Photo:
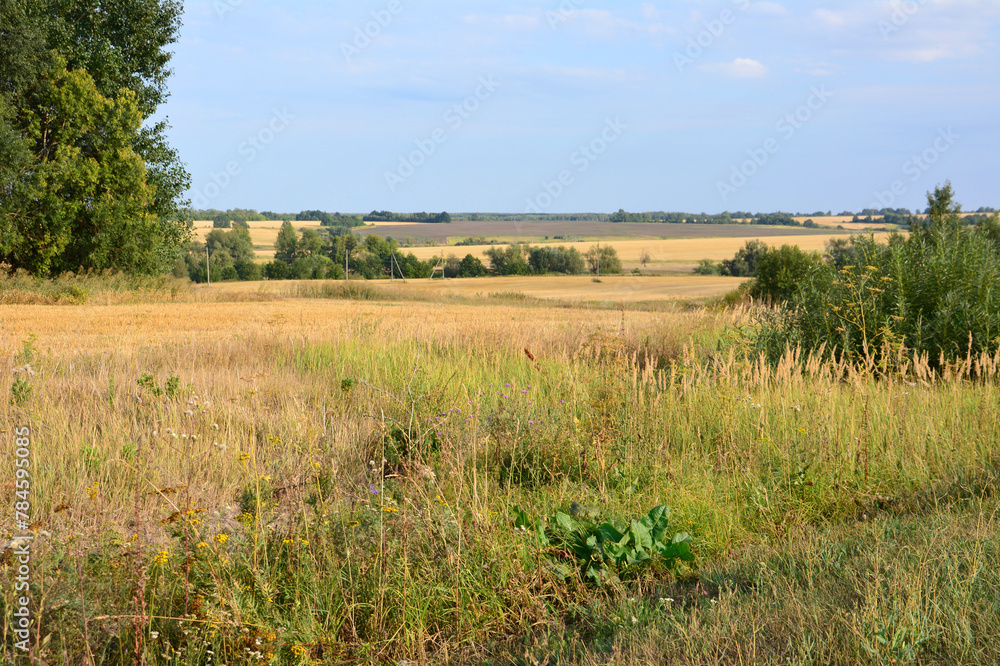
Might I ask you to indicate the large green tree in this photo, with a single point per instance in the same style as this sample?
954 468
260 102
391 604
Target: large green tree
85 181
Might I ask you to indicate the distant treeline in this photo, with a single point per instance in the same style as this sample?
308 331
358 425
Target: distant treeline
322 254
891 216
225 219
312 254
388 216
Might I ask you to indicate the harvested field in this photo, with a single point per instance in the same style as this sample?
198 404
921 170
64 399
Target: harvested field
615 289
508 230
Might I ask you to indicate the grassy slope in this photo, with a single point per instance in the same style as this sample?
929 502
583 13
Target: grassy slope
836 521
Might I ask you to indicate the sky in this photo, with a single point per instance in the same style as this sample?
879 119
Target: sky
564 106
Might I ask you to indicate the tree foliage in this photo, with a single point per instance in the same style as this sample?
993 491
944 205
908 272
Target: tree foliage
85 183
603 260
744 262
935 292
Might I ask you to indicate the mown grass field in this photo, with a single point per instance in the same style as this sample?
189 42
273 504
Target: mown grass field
244 478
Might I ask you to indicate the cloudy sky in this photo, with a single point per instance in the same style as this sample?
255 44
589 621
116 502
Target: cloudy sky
584 105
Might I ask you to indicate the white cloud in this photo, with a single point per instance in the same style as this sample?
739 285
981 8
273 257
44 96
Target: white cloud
740 68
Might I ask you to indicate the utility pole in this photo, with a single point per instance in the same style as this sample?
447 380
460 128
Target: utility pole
208 266
598 260
347 269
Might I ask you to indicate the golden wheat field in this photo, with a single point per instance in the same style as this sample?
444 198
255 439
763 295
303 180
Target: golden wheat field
132 329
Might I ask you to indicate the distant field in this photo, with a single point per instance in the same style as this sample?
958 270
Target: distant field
660 250
620 289
665 242
508 230
263 234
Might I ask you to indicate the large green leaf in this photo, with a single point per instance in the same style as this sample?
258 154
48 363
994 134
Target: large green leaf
608 532
641 535
521 518
564 521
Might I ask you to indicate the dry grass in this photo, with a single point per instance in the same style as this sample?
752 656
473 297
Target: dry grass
611 289
837 518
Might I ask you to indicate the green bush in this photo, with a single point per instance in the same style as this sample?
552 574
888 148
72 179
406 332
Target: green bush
781 272
744 263
603 260
707 267
471 267
935 293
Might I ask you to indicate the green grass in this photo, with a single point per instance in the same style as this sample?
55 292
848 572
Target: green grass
353 501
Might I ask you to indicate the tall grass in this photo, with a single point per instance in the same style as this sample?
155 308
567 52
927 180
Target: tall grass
106 287
349 497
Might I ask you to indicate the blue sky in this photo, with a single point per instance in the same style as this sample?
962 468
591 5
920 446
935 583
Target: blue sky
586 106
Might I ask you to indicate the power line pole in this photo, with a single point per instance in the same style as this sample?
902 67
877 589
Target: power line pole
208 266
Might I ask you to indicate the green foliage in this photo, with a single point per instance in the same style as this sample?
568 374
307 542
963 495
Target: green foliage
87 201
776 219
707 267
286 245
607 551
387 216
549 259
744 263
840 252
232 257
603 260
171 388
471 266
85 184
508 261
935 293
780 272
20 391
